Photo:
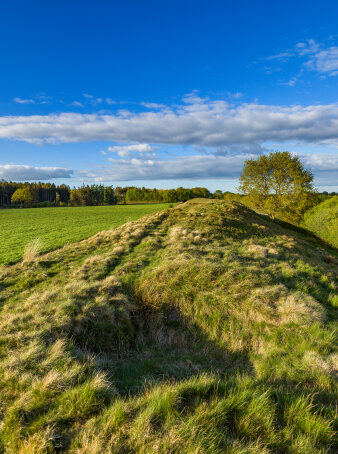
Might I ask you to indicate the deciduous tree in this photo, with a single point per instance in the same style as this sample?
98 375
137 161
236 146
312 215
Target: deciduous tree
22 195
278 184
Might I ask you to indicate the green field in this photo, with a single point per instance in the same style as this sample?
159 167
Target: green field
56 227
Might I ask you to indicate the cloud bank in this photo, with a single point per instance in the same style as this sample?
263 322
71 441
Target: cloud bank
199 122
30 173
324 166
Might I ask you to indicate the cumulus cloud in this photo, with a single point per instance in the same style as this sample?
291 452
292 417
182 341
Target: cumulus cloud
196 121
28 173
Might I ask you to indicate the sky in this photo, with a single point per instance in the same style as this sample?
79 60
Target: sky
166 93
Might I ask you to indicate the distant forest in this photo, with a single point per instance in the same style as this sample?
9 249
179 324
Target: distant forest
48 194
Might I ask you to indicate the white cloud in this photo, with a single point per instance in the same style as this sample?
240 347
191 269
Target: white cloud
28 173
196 122
40 98
323 165
320 161
23 101
92 99
308 47
314 56
324 61
237 95
76 104
184 167
152 105
125 150
292 82
110 101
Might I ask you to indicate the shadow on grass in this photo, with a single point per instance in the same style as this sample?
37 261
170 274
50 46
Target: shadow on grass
163 345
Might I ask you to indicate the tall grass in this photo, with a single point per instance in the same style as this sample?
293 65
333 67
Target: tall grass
32 250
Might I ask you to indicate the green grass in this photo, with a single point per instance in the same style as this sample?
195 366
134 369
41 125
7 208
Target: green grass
205 328
55 227
322 220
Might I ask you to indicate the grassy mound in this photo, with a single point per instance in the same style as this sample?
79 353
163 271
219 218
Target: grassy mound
322 220
201 329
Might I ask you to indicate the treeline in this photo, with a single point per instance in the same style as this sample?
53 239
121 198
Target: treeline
48 194
37 193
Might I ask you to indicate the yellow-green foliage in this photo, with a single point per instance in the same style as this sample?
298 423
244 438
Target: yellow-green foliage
323 220
205 328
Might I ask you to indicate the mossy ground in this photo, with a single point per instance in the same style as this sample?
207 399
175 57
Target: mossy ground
205 328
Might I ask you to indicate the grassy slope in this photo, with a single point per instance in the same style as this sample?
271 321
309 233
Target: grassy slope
59 226
201 329
323 220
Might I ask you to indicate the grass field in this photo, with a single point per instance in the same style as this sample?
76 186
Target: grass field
203 329
56 227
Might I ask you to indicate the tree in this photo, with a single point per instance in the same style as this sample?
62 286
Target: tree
218 194
21 195
278 184
108 197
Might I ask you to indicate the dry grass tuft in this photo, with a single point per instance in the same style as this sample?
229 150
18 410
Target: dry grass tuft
32 250
259 251
316 362
118 250
299 308
177 233
276 305
40 442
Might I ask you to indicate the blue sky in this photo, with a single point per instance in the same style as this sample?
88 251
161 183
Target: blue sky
166 93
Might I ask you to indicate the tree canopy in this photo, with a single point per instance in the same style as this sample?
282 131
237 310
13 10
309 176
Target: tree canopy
278 184
21 195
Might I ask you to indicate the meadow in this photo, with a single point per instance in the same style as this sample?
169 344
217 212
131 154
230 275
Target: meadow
55 227
205 328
